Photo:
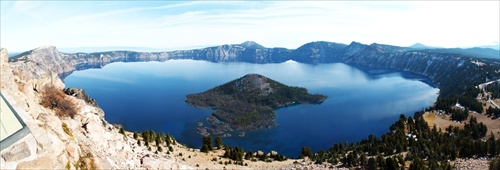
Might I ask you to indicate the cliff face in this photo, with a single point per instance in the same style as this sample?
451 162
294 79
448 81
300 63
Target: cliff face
88 139
49 147
449 72
445 70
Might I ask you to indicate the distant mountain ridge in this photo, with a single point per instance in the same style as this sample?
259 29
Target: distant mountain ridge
449 71
421 46
479 52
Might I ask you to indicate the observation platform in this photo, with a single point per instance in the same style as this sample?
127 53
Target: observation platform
12 127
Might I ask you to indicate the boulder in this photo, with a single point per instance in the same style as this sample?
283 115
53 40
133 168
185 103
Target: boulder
17 152
80 94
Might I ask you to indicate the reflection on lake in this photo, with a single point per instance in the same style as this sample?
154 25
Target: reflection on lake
150 95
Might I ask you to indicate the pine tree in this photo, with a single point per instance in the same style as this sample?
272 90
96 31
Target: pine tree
390 164
136 136
207 140
306 152
380 161
152 135
167 140
122 131
363 160
249 155
145 135
158 140
372 164
206 144
417 164
218 142
227 154
492 148
204 148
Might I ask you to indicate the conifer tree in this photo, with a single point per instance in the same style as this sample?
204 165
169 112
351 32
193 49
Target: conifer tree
218 142
206 144
136 136
372 164
122 131
306 152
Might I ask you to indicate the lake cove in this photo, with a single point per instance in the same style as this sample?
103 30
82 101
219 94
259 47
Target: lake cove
361 101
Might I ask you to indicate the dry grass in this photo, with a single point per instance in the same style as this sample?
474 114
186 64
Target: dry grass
206 160
56 100
429 118
20 85
443 121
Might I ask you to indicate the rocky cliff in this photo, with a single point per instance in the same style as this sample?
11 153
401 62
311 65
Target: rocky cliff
450 72
95 142
85 141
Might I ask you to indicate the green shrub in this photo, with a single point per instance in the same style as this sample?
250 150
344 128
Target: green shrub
122 131
66 129
68 166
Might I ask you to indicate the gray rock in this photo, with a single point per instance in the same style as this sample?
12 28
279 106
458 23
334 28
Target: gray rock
80 94
17 152
202 131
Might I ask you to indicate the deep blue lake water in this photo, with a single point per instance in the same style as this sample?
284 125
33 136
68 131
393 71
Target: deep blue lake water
150 95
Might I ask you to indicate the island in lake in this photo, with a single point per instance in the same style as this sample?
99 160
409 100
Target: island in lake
248 103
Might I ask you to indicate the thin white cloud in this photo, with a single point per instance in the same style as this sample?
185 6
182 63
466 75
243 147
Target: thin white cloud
273 24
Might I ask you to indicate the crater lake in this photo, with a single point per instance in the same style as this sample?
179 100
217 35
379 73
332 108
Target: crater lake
361 101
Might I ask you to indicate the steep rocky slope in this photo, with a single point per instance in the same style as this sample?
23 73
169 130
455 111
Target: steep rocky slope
24 76
450 72
88 139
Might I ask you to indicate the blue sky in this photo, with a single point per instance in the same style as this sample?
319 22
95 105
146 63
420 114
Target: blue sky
179 25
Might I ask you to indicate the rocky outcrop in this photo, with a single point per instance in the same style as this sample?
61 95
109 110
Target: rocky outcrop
56 142
80 94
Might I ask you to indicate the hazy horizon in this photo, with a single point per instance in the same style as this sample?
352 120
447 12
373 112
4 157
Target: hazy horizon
26 25
149 49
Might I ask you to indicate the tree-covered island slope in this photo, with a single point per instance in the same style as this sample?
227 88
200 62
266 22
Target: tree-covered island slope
248 103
